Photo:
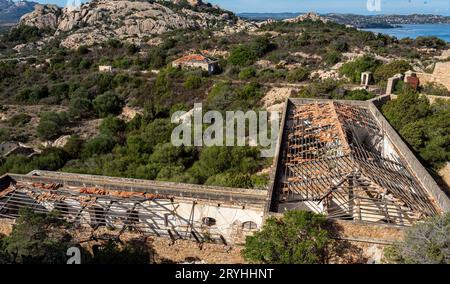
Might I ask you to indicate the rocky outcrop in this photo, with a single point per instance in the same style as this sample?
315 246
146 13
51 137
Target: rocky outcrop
125 20
43 17
308 17
190 2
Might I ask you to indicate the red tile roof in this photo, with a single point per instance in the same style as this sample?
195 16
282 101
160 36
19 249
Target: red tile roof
194 57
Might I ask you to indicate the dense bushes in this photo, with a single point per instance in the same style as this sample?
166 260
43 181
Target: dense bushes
51 124
39 238
23 34
106 104
50 159
353 69
386 71
79 108
245 55
300 237
19 120
193 82
424 243
425 127
435 89
297 75
333 57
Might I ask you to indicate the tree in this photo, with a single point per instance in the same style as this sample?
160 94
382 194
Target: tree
157 58
51 159
113 127
101 144
299 237
408 107
79 108
425 243
425 127
386 71
243 56
107 104
30 240
133 252
43 238
51 124
74 146
353 69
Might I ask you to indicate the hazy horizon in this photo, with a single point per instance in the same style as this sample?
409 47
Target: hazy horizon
359 7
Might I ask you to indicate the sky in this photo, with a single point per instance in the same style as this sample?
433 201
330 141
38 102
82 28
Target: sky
366 7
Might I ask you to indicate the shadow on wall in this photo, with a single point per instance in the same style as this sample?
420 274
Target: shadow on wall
343 251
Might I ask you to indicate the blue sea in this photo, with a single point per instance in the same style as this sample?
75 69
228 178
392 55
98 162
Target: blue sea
413 31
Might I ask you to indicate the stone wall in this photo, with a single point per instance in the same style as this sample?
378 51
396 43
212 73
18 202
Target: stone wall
440 75
439 196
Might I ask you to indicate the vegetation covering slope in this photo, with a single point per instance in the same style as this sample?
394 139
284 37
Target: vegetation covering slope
67 95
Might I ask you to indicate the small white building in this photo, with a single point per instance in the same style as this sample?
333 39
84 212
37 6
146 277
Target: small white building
105 68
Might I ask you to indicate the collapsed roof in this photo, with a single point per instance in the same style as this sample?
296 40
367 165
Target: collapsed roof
336 159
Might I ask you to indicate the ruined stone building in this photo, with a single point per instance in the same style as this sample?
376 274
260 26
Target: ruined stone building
173 210
344 160
440 75
338 158
197 61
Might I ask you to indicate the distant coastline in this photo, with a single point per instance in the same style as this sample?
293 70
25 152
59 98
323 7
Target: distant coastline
359 21
413 31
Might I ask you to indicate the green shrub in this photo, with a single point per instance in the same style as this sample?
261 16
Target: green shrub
4 134
79 108
113 127
247 73
19 120
250 91
424 243
355 95
107 104
193 82
243 56
300 237
386 71
99 145
51 124
297 75
435 89
354 69
74 146
51 159
333 57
